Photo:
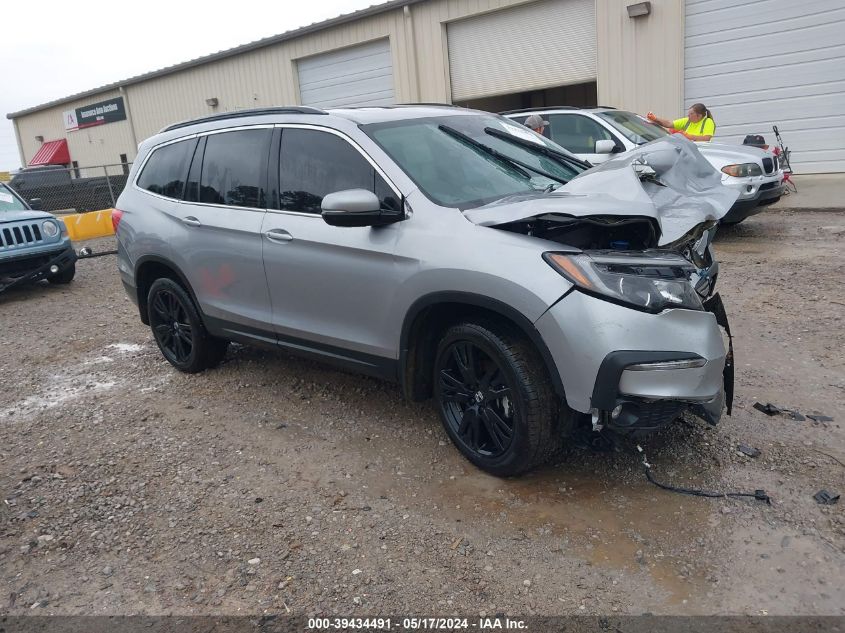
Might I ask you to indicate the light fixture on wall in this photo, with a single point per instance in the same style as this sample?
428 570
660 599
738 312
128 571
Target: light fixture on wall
39 138
639 9
212 101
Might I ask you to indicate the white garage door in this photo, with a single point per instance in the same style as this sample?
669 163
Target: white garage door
758 63
356 76
530 47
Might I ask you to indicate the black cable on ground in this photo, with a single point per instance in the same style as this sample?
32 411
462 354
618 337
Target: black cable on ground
760 495
92 255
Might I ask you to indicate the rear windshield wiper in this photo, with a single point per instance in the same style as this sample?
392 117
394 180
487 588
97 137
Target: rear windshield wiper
559 157
514 163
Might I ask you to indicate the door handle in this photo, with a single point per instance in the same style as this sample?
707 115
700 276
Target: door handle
278 235
191 221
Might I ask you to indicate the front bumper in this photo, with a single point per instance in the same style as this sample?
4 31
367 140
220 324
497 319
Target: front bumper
593 341
30 268
754 195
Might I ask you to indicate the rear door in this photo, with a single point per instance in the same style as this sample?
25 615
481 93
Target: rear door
217 236
330 287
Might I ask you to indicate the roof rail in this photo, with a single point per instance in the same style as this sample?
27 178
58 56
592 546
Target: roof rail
429 103
236 114
540 109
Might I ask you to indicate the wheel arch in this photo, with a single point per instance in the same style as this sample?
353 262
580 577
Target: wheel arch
152 267
429 317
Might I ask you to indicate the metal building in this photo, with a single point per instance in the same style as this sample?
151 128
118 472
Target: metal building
755 63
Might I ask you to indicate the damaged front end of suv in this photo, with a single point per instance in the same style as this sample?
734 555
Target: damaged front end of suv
633 238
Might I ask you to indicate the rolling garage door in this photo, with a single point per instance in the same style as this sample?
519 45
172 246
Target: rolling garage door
356 76
771 62
530 47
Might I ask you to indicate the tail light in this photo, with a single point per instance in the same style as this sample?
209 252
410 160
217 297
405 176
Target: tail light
116 215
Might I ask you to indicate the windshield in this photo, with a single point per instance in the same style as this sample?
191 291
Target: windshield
635 128
9 201
472 171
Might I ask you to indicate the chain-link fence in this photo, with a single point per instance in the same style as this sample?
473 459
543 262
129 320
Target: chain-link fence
79 189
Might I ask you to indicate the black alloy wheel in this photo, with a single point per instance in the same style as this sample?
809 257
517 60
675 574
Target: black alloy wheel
171 327
178 330
495 398
477 401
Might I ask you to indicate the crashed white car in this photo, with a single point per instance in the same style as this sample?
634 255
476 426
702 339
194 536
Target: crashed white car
597 134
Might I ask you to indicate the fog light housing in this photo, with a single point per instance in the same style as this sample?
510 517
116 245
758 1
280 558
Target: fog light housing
616 411
54 269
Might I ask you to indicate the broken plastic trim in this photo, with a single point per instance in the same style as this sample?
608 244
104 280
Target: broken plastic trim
715 306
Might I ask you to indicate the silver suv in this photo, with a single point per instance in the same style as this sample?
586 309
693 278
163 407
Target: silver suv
449 250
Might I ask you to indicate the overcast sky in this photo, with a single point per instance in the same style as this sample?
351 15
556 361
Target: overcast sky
51 49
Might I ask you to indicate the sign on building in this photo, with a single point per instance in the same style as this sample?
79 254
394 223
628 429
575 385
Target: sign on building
95 114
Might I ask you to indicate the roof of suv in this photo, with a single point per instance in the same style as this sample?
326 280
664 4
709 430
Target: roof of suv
361 115
558 109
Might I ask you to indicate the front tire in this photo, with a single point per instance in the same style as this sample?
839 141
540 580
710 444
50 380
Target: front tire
495 399
178 330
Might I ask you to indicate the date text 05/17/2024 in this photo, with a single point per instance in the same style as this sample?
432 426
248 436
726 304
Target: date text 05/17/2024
417 624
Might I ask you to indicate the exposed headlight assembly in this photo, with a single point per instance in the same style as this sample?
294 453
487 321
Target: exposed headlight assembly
646 282
743 171
50 228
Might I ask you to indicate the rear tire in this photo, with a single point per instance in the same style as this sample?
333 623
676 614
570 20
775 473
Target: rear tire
178 329
63 276
495 398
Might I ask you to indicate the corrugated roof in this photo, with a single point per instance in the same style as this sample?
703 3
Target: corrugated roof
52 153
230 52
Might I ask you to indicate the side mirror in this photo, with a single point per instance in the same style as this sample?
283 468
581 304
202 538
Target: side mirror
356 207
605 146
35 204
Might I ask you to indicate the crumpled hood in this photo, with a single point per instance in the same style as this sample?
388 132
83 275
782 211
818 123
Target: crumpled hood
689 192
17 216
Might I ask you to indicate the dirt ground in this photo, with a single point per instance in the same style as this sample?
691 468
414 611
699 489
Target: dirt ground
279 485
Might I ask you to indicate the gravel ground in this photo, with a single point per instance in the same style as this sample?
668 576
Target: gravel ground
273 484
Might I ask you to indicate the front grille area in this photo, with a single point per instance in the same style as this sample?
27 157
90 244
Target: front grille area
16 267
20 235
768 165
768 185
640 415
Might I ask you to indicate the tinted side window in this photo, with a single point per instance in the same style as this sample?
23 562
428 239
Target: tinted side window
315 163
234 168
577 133
164 172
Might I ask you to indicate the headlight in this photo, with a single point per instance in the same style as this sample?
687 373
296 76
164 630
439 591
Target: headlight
647 282
51 229
743 171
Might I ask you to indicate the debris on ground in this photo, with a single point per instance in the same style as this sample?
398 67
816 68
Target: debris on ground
773 409
750 451
825 498
768 408
819 417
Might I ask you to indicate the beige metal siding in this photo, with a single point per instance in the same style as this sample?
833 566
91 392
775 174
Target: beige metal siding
98 145
639 67
262 77
641 60
530 47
